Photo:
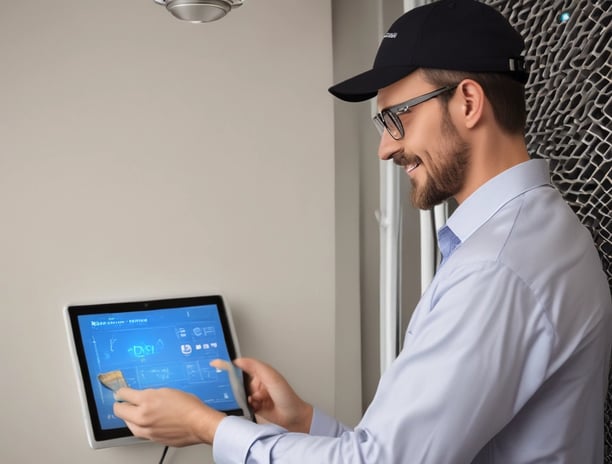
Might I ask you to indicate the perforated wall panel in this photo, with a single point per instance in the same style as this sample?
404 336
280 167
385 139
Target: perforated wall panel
570 110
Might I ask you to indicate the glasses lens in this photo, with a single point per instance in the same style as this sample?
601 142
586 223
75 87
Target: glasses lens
393 125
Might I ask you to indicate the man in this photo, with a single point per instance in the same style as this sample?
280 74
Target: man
506 356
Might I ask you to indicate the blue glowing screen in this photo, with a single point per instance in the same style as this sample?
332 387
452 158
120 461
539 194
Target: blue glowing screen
157 348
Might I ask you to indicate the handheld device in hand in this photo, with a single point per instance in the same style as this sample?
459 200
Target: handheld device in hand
151 344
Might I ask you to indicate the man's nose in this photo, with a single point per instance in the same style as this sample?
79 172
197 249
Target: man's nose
387 146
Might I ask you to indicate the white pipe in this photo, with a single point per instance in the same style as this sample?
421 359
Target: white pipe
440 215
427 249
440 218
389 222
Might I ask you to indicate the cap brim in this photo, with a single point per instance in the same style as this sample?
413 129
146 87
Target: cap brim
367 84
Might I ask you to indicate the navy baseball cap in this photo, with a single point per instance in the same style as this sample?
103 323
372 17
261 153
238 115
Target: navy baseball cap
459 35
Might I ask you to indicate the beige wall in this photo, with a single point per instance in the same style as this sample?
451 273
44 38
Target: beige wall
142 157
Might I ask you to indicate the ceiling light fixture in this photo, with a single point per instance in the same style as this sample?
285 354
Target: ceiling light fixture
199 11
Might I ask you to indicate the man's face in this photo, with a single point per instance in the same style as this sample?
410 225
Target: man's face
432 152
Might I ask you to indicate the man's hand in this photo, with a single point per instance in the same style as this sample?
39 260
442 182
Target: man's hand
167 416
273 399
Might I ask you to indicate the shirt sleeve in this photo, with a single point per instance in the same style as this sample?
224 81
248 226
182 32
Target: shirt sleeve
326 426
239 441
474 355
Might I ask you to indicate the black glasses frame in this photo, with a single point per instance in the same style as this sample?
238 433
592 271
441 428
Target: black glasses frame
388 118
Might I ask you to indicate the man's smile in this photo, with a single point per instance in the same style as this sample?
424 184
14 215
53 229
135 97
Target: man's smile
408 163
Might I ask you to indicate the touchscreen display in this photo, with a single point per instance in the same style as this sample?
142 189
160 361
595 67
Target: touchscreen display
153 348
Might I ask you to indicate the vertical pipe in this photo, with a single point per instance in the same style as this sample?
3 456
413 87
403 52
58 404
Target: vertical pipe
389 222
427 249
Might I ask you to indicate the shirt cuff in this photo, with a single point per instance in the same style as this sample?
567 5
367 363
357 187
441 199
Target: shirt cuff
235 436
323 425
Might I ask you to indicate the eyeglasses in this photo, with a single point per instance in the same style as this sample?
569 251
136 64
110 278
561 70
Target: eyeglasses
389 117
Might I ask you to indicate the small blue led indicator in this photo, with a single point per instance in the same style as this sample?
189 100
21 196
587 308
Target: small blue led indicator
564 17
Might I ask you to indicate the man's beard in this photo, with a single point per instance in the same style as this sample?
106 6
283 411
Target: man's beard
445 176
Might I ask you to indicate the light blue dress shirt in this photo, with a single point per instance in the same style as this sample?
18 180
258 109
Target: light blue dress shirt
505 358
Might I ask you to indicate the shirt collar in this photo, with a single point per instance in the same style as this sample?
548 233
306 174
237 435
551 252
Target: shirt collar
495 193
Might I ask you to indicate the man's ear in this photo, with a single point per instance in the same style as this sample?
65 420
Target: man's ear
472 102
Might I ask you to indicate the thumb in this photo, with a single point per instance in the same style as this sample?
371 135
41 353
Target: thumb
129 395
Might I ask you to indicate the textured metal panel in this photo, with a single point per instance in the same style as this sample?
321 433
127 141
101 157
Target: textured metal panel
570 110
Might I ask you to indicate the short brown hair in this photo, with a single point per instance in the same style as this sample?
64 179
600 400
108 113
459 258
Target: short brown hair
506 95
